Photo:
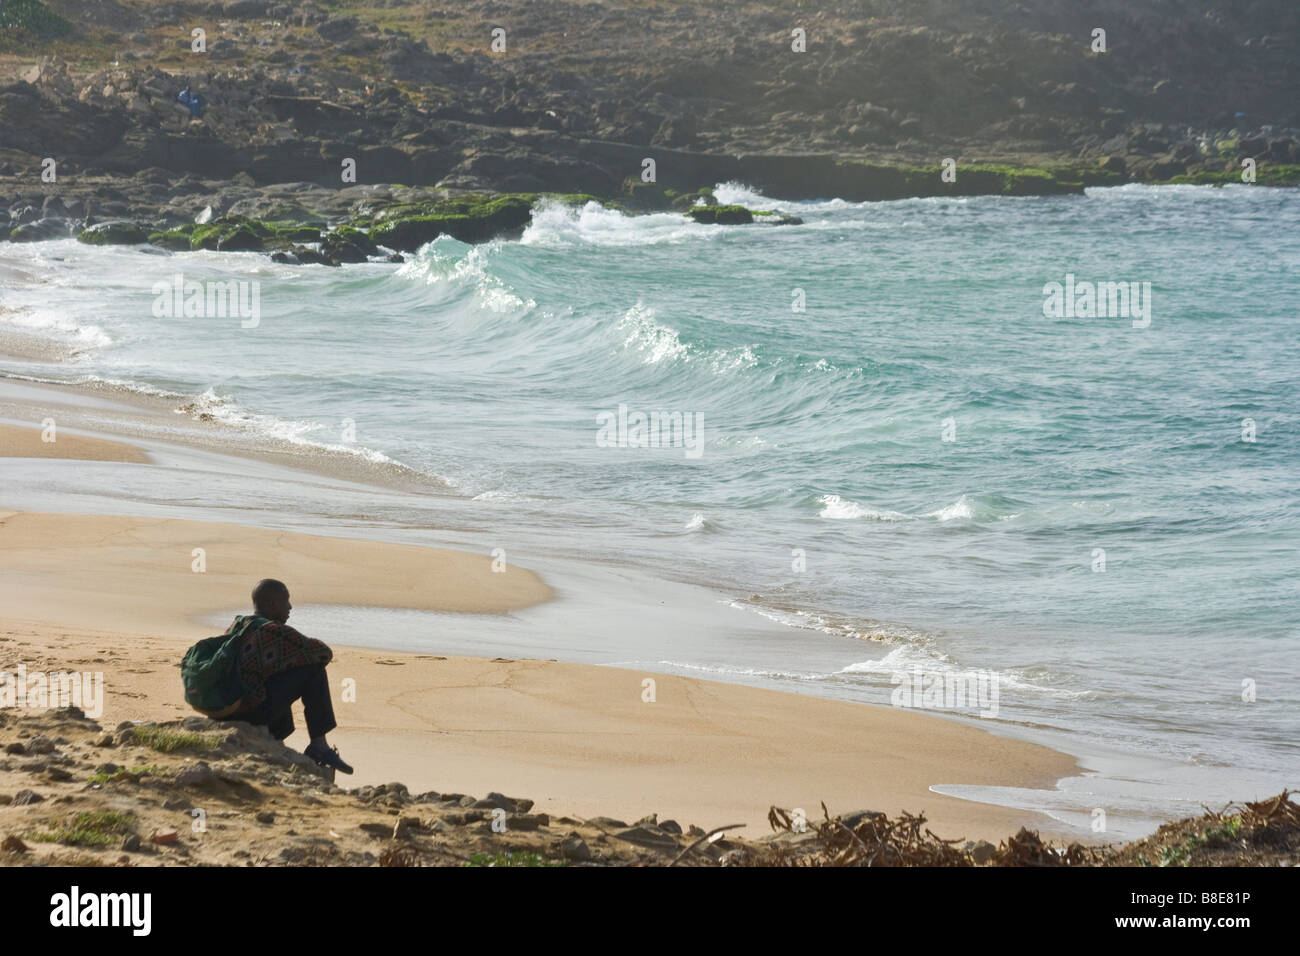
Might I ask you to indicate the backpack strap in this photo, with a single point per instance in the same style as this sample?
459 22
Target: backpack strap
248 624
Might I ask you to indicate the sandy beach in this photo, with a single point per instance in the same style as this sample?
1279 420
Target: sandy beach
18 442
126 595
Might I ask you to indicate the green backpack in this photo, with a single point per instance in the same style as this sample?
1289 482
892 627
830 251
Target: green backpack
210 670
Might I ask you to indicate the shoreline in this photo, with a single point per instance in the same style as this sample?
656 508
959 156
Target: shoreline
142 414
682 627
119 582
581 739
552 211
381 222
587 625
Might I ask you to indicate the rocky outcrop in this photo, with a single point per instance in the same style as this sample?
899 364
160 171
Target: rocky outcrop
319 120
121 233
574 106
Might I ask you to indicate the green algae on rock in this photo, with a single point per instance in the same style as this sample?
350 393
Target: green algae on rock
474 218
117 233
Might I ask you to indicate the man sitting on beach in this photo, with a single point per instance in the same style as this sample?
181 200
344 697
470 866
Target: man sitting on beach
277 666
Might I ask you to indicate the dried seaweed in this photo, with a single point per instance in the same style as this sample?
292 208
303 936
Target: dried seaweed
1026 848
904 840
876 840
394 854
1278 812
1264 832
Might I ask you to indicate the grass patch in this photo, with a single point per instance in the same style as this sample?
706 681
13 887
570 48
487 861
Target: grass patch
24 22
169 740
102 776
90 828
1181 854
1219 836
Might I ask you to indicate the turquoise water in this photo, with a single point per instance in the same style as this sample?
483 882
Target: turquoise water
825 494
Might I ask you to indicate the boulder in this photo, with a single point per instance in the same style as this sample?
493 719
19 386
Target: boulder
495 801
347 244
476 220
651 837
195 775
41 230
527 821
240 239
116 233
573 847
337 28
177 240
12 844
721 215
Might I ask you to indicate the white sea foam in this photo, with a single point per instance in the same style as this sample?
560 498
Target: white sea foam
555 223
723 669
840 509
654 341
961 508
221 408
906 658
858 630
964 508
58 325
738 194
446 264
732 360
499 496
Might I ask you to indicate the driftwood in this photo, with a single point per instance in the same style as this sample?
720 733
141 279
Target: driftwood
714 832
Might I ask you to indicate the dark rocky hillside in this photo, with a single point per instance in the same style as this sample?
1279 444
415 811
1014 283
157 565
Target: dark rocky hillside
413 92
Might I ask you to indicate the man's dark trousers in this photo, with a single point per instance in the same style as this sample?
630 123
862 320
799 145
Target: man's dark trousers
308 683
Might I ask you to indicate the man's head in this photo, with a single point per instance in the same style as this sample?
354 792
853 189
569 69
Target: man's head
271 599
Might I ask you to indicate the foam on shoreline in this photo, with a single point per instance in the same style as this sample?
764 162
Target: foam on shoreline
680 630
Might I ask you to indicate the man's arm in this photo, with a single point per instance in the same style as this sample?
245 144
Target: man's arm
297 643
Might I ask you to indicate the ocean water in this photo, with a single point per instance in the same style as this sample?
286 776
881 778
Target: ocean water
890 445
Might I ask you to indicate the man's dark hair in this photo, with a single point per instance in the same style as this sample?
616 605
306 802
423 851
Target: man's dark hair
267 589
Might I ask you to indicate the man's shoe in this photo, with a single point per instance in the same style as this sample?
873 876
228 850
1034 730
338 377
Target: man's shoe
327 757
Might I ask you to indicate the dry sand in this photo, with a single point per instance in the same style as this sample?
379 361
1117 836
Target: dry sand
118 595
